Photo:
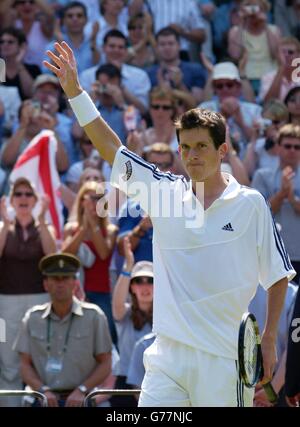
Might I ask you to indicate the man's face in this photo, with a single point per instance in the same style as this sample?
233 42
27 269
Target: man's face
74 20
225 88
115 50
168 48
162 160
113 7
289 151
199 156
289 52
60 288
46 91
9 46
106 84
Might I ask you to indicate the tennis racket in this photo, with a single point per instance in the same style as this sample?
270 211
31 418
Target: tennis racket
250 356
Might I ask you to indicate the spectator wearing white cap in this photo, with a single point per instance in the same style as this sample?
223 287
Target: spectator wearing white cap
133 319
240 115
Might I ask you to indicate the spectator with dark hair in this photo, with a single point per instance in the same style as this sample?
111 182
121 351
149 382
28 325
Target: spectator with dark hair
281 187
170 69
73 22
292 102
23 242
135 82
18 73
134 318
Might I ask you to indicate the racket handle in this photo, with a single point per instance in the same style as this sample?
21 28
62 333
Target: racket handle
270 392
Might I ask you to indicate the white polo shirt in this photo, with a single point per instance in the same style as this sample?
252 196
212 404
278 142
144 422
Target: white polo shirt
204 276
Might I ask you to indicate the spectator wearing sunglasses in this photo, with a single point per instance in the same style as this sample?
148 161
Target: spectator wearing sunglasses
134 318
276 84
240 115
292 102
281 187
23 242
93 229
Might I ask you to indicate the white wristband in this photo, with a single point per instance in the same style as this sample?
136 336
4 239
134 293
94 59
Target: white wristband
84 108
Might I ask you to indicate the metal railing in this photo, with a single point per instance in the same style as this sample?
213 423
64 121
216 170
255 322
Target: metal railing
19 393
113 392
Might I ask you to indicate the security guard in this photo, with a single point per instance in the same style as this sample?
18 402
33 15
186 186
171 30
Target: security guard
65 345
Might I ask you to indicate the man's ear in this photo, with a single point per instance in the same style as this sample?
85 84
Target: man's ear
45 284
223 150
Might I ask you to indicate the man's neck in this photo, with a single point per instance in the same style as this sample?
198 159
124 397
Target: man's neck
76 38
62 309
213 188
112 20
171 63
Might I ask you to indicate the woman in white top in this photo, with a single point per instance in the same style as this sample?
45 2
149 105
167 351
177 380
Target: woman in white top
256 39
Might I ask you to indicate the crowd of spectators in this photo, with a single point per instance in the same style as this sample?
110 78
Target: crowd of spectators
143 64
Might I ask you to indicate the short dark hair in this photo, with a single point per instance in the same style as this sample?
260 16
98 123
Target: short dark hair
16 33
114 33
71 6
204 119
167 31
110 70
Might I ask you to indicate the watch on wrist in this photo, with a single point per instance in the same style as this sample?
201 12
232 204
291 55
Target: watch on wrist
44 388
82 388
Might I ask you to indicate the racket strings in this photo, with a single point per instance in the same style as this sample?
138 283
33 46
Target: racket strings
250 352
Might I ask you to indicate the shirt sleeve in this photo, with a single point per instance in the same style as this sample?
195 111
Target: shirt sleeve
22 342
195 17
260 183
136 370
138 178
103 342
274 262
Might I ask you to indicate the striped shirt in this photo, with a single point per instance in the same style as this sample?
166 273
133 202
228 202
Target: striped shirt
186 13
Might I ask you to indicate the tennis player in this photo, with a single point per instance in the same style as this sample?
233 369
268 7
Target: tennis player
205 271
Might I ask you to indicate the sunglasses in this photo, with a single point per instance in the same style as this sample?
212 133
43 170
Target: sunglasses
7 41
220 86
142 280
161 107
135 27
96 197
290 146
23 193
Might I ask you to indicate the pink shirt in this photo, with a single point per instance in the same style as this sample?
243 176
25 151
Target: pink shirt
266 83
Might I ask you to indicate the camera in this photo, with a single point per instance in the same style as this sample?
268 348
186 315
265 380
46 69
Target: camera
252 9
102 89
36 108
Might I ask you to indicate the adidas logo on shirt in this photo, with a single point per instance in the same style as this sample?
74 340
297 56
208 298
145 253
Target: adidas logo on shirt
228 227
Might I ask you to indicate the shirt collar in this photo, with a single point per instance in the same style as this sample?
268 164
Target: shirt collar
76 308
230 191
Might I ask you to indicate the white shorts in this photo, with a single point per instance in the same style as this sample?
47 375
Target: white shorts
179 376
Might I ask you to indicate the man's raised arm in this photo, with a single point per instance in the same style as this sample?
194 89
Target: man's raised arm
101 135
